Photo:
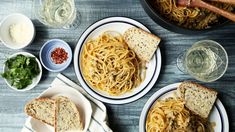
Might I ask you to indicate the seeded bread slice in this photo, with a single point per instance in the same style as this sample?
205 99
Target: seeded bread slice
198 99
143 43
67 117
42 109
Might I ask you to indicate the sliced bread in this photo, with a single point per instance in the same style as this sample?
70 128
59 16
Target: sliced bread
42 109
198 99
143 43
67 116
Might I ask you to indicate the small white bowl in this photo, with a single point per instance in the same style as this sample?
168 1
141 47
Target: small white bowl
35 80
12 19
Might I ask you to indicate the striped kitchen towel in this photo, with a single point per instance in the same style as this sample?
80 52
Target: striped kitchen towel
98 121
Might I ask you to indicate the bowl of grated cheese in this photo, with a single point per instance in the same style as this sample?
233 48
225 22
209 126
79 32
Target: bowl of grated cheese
16 31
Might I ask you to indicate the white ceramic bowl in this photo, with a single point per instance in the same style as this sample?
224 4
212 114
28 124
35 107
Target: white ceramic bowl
5 25
35 80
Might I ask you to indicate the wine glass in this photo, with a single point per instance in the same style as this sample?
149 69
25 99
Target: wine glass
206 61
57 13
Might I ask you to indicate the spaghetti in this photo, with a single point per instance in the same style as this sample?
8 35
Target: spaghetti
170 115
109 65
193 18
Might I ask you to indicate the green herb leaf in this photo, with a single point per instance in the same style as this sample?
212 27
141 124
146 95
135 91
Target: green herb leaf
21 71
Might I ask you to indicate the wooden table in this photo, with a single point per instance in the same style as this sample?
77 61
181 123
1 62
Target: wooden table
122 118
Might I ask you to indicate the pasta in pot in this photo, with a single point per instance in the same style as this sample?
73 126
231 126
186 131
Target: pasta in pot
109 65
193 18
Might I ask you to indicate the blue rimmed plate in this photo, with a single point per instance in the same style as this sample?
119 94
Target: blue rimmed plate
119 24
218 113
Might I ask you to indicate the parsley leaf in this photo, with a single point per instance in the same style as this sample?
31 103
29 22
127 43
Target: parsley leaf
21 70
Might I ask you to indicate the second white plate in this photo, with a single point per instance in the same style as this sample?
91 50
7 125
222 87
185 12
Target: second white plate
218 113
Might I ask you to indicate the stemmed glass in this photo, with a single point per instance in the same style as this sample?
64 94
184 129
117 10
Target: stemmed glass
57 13
206 61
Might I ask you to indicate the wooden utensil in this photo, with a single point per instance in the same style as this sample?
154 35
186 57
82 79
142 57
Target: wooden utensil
224 1
202 4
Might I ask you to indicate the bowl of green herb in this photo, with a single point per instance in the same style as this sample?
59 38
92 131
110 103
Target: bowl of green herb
22 71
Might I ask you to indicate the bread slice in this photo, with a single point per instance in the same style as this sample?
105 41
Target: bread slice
42 109
67 117
198 99
143 43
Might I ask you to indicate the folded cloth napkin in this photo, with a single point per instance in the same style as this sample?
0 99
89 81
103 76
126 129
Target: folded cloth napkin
98 121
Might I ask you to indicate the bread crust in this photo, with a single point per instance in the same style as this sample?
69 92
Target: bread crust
139 30
199 86
142 42
56 113
185 85
59 100
26 109
56 109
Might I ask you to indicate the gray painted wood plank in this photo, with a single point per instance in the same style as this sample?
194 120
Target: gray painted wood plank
122 118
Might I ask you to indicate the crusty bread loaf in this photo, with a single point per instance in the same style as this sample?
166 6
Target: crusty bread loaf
67 117
198 99
42 109
143 43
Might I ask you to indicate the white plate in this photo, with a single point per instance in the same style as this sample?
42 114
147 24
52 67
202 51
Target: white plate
119 24
218 113
81 102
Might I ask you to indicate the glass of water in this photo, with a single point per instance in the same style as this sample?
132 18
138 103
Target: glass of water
206 61
57 13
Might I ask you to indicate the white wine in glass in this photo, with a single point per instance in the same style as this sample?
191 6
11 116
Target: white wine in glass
57 13
206 61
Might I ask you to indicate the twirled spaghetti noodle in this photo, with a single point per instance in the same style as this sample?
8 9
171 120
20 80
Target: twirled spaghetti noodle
194 18
170 115
109 65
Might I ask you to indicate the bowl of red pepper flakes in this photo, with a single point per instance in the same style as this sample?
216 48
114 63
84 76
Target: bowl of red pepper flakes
55 55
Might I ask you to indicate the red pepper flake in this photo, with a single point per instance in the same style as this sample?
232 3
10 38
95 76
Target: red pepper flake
59 55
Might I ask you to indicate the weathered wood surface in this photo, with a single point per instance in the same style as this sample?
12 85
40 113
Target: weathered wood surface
122 118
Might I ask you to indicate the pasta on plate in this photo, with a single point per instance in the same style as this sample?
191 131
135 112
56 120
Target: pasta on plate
109 65
170 115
